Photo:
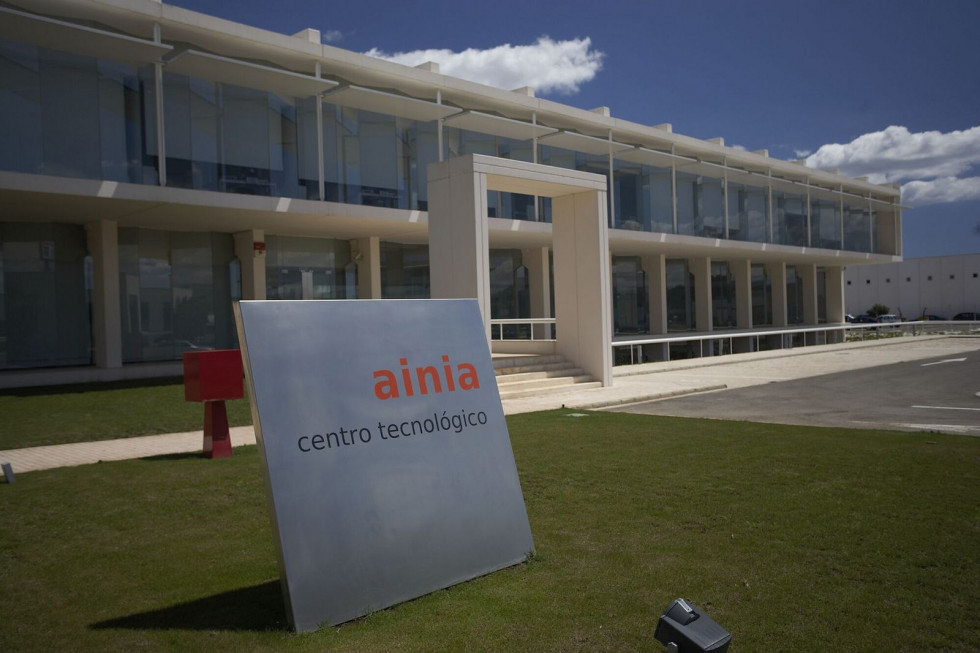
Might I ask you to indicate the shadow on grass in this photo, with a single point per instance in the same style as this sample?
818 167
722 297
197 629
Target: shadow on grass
186 455
257 608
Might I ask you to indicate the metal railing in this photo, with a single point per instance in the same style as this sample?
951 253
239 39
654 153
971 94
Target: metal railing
525 328
790 336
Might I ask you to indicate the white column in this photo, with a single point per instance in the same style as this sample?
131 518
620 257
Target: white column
103 245
538 264
834 280
459 252
777 278
250 250
367 256
583 305
656 268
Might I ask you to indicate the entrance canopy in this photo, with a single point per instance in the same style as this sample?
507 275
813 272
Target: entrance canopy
459 251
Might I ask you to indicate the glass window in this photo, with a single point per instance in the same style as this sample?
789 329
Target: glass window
700 207
723 315
308 268
825 224
404 271
761 296
562 158
748 213
630 313
377 159
857 229
234 139
512 206
509 291
644 198
74 116
45 295
681 314
175 291
794 296
789 218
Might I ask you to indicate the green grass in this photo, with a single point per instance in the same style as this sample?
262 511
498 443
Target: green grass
793 538
102 411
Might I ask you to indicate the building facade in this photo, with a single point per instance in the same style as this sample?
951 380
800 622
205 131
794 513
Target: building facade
941 286
158 164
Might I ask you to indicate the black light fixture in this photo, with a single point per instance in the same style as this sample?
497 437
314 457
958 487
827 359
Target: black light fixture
685 628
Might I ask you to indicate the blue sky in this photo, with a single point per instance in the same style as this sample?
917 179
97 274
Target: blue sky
889 88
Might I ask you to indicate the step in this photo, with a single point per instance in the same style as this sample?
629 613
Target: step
534 367
537 384
517 361
550 391
517 377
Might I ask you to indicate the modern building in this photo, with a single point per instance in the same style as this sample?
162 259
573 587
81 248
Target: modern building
157 164
942 286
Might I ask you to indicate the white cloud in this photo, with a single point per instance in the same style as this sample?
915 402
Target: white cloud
938 191
802 154
332 36
547 65
931 163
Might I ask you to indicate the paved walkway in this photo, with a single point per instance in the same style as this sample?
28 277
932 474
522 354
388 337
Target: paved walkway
631 384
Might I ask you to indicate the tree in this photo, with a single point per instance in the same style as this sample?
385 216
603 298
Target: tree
878 309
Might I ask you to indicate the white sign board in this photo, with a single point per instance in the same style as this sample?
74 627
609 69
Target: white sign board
388 464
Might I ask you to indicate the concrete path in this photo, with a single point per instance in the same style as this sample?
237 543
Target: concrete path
631 384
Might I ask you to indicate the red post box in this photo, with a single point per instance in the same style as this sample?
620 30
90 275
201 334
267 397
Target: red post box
213 377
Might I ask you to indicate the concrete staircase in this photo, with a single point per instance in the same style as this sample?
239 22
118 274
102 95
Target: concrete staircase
531 376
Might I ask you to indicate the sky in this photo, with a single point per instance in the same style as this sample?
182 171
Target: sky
884 88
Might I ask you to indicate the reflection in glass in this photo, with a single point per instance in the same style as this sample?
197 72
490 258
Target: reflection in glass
630 313
825 224
644 198
74 116
723 315
748 213
700 207
761 296
45 295
794 296
681 315
789 218
307 268
175 292
404 271
857 228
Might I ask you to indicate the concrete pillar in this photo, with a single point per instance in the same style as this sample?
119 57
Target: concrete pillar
538 263
777 279
366 253
807 274
250 250
701 269
656 269
103 244
743 293
459 250
583 303
834 280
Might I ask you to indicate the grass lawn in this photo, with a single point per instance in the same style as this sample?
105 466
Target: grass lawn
103 411
792 538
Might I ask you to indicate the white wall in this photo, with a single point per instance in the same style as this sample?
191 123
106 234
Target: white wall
941 285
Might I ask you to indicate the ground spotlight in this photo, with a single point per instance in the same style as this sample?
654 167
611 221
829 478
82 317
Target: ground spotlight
685 628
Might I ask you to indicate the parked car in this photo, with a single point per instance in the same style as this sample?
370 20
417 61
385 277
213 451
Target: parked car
863 319
887 319
967 316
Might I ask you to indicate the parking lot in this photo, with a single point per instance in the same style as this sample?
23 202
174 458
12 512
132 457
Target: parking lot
939 394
